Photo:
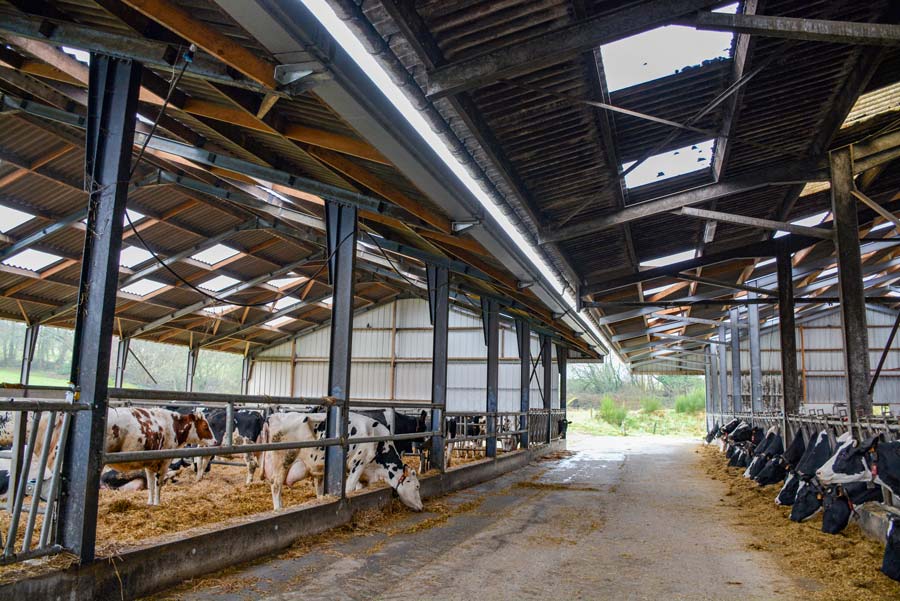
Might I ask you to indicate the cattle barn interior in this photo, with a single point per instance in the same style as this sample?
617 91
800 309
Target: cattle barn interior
399 224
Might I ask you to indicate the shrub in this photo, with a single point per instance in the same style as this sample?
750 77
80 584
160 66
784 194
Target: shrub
692 402
651 404
612 413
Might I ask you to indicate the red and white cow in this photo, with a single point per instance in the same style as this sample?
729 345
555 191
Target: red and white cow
131 429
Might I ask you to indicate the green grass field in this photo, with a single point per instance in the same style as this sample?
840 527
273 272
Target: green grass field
663 422
11 376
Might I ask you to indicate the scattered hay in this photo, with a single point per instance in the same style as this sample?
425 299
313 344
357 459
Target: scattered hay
844 566
120 506
554 486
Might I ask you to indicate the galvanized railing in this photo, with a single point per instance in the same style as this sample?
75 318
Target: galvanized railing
42 438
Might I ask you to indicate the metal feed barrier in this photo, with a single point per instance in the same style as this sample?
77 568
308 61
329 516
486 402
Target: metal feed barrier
480 433
809 424
27 419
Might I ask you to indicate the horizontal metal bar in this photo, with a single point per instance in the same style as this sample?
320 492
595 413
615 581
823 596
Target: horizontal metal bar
394 437
31 404
32 554
184 453
201 397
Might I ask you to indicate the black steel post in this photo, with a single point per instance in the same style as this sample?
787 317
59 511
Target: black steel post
124 348
523 339
723 370
341 232
737 404
492 317
439 304
193 356
246 369
562 354
31 336
112 103
756 401
851 286
547 384
20 430
708 379
790 380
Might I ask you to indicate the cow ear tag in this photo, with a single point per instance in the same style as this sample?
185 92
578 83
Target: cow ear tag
819 496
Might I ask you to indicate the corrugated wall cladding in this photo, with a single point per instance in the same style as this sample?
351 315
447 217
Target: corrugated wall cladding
392 361
820 356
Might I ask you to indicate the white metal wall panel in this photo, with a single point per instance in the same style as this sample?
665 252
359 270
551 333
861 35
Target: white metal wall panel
413 313
379 317
412 381
414 344
371 343
370 380
314 344
311 379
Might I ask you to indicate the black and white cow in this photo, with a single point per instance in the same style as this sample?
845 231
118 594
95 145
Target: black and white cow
816 454
840 500
247 427
369 461
770 446
711 435
872 461
890 564
777 468
808 501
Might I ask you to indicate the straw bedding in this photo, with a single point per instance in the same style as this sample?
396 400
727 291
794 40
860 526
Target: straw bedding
842 566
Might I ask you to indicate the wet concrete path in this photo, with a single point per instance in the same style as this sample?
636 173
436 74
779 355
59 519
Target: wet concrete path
622 518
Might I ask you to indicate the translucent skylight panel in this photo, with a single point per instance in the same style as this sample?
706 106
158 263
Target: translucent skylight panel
10 219
282 282
326 301
220 282
32 260
656 290
134 216
133 255
882 226
144 287
279 321
220 309
660 52
215 254
670 259
688 159
828 272
285 301
765 262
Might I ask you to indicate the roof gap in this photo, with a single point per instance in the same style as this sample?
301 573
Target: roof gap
662 51
665 165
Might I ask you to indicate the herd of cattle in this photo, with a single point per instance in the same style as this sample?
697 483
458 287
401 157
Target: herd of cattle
823 473
130 429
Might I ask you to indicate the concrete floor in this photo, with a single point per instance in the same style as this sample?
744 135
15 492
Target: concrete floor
630 518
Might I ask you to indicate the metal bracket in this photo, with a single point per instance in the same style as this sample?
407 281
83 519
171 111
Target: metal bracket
459 227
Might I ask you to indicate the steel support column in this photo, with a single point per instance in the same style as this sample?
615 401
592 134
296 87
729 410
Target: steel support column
122 352
523 339
547 379
723 370
246 370
112 103
341 233
562 355
790 381
756 401
492 329
439 304
851 286
191 371
736 401
19 423
708 379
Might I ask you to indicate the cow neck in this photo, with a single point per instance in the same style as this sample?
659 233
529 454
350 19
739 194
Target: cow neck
386 456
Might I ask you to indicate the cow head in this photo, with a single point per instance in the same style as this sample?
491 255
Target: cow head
194 429
890 565
788 492
817 453
408 489
836 509
773 472
851 462
808 501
